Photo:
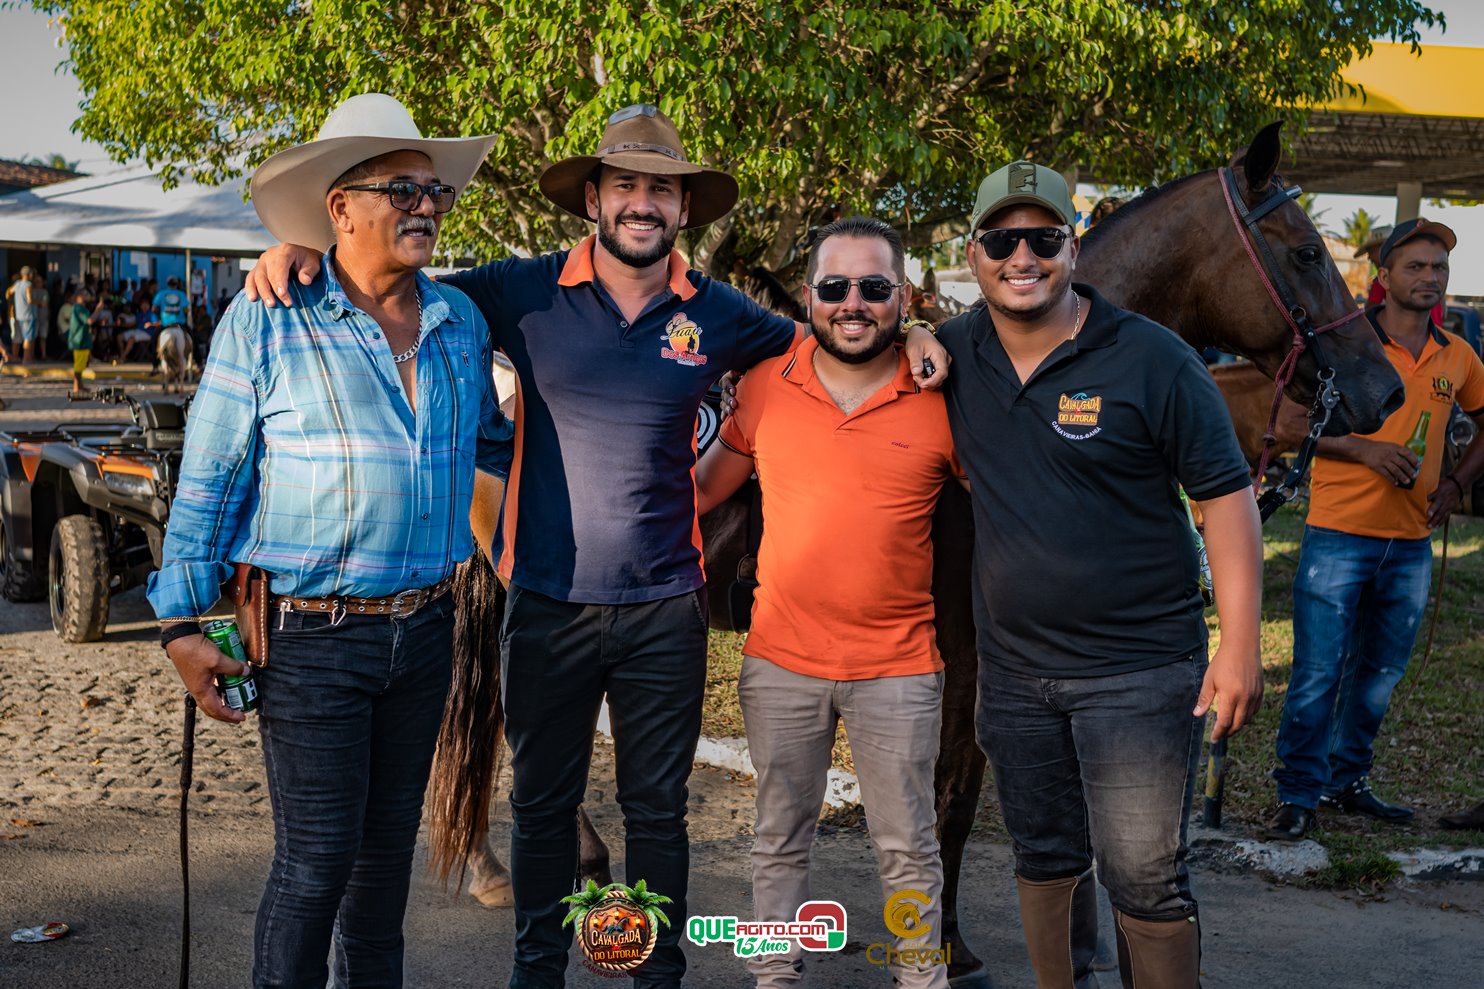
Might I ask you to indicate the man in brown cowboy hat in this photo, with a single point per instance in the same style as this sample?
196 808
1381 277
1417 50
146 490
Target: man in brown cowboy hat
614 344
333 446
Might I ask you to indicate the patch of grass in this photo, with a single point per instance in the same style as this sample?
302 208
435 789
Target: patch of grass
1430 753
721 717
1354 863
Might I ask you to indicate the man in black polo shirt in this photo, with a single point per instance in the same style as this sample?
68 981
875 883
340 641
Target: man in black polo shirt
1078 423
614 345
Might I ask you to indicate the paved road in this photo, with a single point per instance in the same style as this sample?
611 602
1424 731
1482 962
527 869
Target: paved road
90 742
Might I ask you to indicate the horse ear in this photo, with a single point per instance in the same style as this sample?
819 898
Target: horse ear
1261 160
929 284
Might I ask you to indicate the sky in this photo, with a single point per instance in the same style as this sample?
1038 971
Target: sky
31 49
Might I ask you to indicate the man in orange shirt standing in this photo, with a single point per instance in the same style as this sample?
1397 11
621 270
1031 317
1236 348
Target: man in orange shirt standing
1366 559
851 457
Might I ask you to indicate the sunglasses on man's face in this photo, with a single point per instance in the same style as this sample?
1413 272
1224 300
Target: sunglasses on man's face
1045 242
873 288
407 195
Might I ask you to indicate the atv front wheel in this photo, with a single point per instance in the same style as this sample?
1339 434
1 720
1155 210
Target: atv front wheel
18 580
78 579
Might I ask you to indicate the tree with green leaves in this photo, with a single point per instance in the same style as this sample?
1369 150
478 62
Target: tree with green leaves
818 107
53 160
1358 227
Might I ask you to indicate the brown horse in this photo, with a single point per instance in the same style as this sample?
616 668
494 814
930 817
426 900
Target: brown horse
1173 254
1249 398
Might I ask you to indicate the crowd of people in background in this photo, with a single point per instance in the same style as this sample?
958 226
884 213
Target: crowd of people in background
125 319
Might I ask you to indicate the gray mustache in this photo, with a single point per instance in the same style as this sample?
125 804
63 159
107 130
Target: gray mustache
416 223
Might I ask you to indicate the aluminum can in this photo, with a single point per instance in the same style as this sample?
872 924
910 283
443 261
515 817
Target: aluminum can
239 693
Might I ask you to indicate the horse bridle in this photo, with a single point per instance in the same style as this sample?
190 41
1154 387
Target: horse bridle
1305 337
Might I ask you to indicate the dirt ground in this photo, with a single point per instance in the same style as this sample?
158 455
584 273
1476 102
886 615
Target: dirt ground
90 736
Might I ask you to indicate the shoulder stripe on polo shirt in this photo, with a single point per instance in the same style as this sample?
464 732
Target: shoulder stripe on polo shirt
512 487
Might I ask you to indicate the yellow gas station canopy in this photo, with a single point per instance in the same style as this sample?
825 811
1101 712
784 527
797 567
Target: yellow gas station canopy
1418 119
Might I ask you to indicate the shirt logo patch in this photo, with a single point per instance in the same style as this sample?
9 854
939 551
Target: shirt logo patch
1077 415
1442 389
682 341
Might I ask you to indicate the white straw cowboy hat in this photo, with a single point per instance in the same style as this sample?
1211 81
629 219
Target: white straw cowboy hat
641 139
288 190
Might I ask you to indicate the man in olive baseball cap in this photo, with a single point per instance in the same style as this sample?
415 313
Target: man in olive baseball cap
1050 410
1024 183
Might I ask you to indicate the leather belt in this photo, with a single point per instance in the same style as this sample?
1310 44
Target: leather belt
403 604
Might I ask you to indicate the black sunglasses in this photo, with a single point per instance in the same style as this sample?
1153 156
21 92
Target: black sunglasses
1045 242
874 288
407 195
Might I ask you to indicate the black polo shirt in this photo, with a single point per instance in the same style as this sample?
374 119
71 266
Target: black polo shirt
1084 562
600 507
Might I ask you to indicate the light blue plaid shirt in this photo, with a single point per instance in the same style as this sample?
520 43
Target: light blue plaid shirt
303 457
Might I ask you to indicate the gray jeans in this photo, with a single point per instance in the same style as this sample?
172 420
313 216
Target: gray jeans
892 724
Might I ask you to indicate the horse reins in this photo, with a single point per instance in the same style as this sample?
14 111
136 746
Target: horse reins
187 760
1326 398
1305 337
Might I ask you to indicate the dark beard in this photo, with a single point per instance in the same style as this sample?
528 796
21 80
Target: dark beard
608 237
882 341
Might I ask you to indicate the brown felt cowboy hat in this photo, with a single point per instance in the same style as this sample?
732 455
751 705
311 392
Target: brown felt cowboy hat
641 139
288 190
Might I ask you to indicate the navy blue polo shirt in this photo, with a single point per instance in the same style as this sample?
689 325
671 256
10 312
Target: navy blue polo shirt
1084 561
601 502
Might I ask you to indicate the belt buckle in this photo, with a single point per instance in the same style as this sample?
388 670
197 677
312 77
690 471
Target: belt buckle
401 610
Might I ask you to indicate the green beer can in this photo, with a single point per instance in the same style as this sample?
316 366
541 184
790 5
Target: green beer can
239 693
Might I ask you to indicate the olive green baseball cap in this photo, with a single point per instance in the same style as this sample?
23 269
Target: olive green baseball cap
1024 183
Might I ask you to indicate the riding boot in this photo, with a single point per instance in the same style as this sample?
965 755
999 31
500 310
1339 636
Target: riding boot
1158 954
1060 918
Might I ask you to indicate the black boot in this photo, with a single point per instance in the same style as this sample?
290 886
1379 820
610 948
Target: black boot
1357 798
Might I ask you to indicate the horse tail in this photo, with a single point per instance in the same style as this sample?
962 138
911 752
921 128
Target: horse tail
466 762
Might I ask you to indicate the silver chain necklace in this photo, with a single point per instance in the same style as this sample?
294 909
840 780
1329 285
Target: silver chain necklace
1076 317
411 351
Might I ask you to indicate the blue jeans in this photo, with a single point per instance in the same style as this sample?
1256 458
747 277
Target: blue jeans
349 718
1099 767
1357 605
558 660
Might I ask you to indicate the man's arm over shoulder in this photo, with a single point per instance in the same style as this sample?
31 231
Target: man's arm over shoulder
494 450
217 471
728 464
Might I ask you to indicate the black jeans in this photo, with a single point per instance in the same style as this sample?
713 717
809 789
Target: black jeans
1099 767
350 714
559 659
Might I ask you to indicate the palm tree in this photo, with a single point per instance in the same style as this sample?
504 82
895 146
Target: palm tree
649 902
584 900
1358 228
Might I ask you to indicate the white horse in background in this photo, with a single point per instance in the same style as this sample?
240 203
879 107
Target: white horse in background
176 360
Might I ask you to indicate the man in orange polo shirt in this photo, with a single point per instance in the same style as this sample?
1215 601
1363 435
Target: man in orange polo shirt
1366 560
851 457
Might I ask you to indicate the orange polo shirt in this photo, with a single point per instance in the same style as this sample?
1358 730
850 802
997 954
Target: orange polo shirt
846 563
1351 497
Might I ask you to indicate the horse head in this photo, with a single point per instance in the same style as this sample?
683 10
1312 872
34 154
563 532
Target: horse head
1226 258
1291 279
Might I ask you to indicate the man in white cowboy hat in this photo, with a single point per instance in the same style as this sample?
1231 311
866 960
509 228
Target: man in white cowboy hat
333 447
614 345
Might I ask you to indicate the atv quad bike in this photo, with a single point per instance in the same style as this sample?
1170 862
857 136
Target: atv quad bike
83 509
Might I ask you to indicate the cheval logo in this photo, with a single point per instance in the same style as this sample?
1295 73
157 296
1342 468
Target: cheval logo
1077 415
683 337
616 926
1442 389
